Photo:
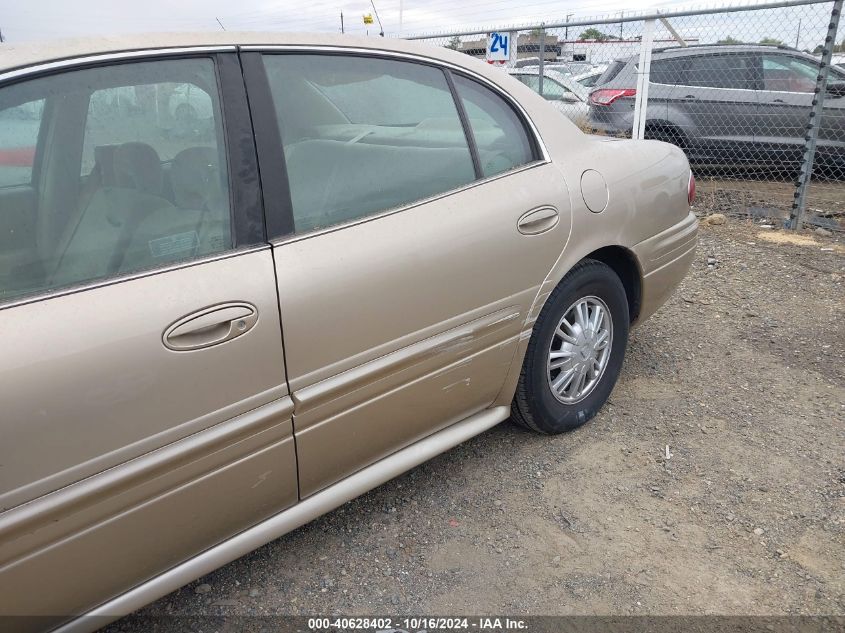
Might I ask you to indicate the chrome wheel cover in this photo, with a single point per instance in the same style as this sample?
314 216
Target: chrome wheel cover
580 350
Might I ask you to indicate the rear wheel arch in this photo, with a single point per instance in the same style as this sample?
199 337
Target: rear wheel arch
625 264
665 131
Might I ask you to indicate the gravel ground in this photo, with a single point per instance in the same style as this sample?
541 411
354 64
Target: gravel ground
741 375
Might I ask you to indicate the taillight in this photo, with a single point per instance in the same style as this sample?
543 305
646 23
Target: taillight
606 96
691 189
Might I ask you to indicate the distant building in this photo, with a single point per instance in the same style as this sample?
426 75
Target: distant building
594 51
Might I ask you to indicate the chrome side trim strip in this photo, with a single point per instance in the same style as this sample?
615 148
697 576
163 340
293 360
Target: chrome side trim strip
288 520
61 64
72 498
368 373
100 283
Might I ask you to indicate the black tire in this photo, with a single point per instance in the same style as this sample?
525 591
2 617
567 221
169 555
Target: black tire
534 405
667 134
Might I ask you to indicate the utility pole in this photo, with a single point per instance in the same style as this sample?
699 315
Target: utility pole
341 22
621 15
380 27
566 33
2 39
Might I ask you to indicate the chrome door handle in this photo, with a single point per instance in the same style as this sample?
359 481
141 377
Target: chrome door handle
538 221
210 326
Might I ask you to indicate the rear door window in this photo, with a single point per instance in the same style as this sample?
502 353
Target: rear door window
735 71
362 135
671 72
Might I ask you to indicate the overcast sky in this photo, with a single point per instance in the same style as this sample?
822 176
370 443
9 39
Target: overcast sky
46 19
26 20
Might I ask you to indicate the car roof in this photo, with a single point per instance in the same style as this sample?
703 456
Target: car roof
14 56
697 49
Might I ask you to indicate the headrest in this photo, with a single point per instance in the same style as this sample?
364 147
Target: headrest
137 166
195 177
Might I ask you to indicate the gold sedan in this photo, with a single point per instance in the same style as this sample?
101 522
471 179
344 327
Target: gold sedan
244 279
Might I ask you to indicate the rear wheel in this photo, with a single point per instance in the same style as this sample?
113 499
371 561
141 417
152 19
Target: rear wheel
666 133
576 351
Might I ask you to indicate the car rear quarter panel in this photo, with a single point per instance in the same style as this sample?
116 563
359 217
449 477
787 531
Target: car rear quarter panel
647 185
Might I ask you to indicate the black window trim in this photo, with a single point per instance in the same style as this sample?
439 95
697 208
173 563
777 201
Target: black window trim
247 236
469 135
267 132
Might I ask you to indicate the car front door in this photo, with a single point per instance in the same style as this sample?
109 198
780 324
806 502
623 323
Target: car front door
716 97
786 99
145 410
422 228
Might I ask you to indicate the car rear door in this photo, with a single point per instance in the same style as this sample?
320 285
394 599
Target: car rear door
716 98
145 411
413 233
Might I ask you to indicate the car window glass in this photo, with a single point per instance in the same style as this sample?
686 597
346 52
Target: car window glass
613 69
182 112
362 135
500 135
788 74
154 188
19 127
669 71
590 80
721 70
551 89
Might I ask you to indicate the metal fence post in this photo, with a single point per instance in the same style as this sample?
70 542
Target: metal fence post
643 75
796 216
542 55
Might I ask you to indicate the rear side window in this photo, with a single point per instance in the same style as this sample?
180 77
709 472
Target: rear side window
126 181
362 135
669 71
610 72
19 127
727 70
500 135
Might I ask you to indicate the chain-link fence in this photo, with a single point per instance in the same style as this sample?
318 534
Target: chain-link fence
753 94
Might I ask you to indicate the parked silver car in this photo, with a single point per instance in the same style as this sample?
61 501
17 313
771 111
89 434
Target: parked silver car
563 92
727 103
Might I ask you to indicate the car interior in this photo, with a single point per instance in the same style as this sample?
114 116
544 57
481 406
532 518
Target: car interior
134 209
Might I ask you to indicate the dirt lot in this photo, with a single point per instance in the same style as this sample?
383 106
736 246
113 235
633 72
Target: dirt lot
741 375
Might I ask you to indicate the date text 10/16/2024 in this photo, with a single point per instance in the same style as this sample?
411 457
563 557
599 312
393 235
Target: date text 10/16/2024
416 624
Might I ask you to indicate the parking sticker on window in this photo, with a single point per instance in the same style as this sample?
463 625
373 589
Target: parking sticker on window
178 244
